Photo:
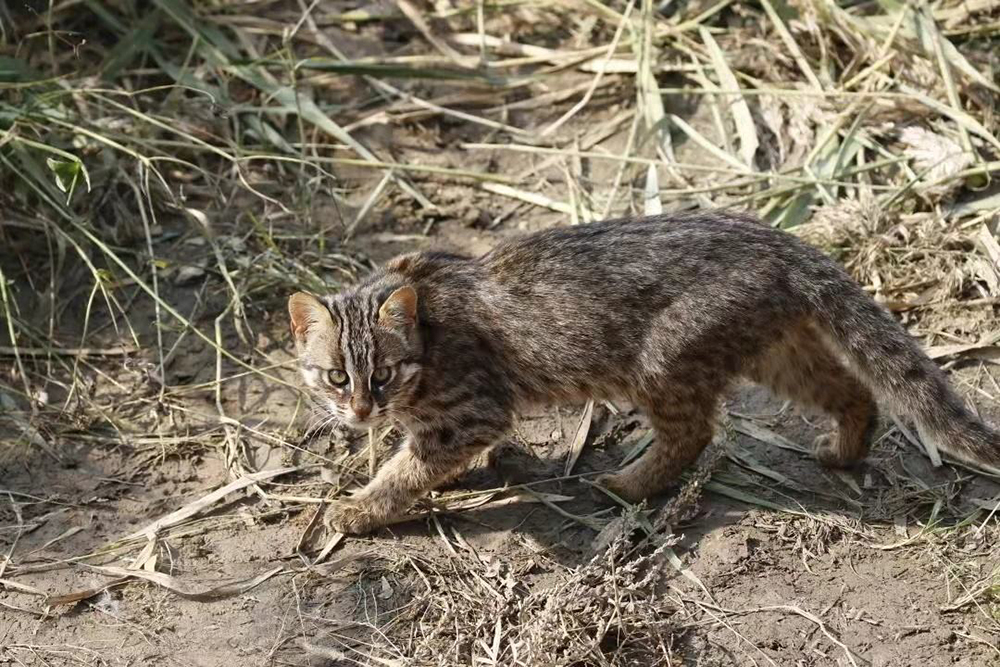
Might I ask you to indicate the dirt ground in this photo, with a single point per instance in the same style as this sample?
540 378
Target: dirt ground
776 561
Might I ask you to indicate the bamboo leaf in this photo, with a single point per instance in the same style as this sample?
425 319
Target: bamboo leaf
745 126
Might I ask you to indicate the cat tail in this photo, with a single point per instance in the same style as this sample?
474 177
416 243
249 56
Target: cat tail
893 365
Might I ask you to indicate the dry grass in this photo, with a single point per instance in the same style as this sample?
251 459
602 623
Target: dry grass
171 169
608 611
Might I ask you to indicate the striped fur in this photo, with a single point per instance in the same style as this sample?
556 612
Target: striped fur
665 312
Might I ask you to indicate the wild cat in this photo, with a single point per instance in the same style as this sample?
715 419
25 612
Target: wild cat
665 312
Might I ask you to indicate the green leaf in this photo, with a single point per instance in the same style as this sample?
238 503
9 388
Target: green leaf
67 173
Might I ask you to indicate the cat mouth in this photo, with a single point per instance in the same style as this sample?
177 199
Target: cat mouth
363 424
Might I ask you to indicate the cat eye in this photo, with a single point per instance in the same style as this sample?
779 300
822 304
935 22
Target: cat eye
382 375
338 378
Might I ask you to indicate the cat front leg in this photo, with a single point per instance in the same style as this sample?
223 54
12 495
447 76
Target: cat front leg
420 465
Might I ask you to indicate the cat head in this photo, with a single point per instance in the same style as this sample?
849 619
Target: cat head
358 351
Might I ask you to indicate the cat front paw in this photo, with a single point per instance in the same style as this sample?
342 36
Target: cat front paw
350 518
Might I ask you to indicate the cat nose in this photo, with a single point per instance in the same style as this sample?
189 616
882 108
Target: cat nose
361 407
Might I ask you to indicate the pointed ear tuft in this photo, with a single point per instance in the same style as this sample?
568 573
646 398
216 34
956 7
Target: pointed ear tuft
306 313
400 308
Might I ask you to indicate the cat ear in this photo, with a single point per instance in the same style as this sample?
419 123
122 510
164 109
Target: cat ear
400 308
307 314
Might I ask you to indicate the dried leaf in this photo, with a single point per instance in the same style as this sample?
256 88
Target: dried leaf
936 157
766 435
85 594
581 436
205 502
745 126
652 204
173 584
64 535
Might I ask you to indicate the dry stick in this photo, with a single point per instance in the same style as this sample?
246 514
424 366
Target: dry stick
235 302
748 178
206 501
418 21
796 93
700 139
883 56
791 44
430 106
788 609
949 81
481 27
227 427
20 530
154 272
174 584
306 13
597 77
9 316
403 111
722 621
370 202
590 140
53 311
574 206
376 164
531 197
331 544
172 352
31 612
67 351
629 142
538 54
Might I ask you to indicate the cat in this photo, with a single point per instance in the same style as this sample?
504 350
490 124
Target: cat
665 312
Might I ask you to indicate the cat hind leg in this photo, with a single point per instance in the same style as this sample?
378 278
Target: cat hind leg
683 429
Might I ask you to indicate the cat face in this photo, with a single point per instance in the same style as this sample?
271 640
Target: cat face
358 351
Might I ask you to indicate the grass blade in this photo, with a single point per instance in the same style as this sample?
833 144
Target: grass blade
745 126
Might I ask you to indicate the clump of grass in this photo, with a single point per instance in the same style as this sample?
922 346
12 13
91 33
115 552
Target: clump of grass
611 610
